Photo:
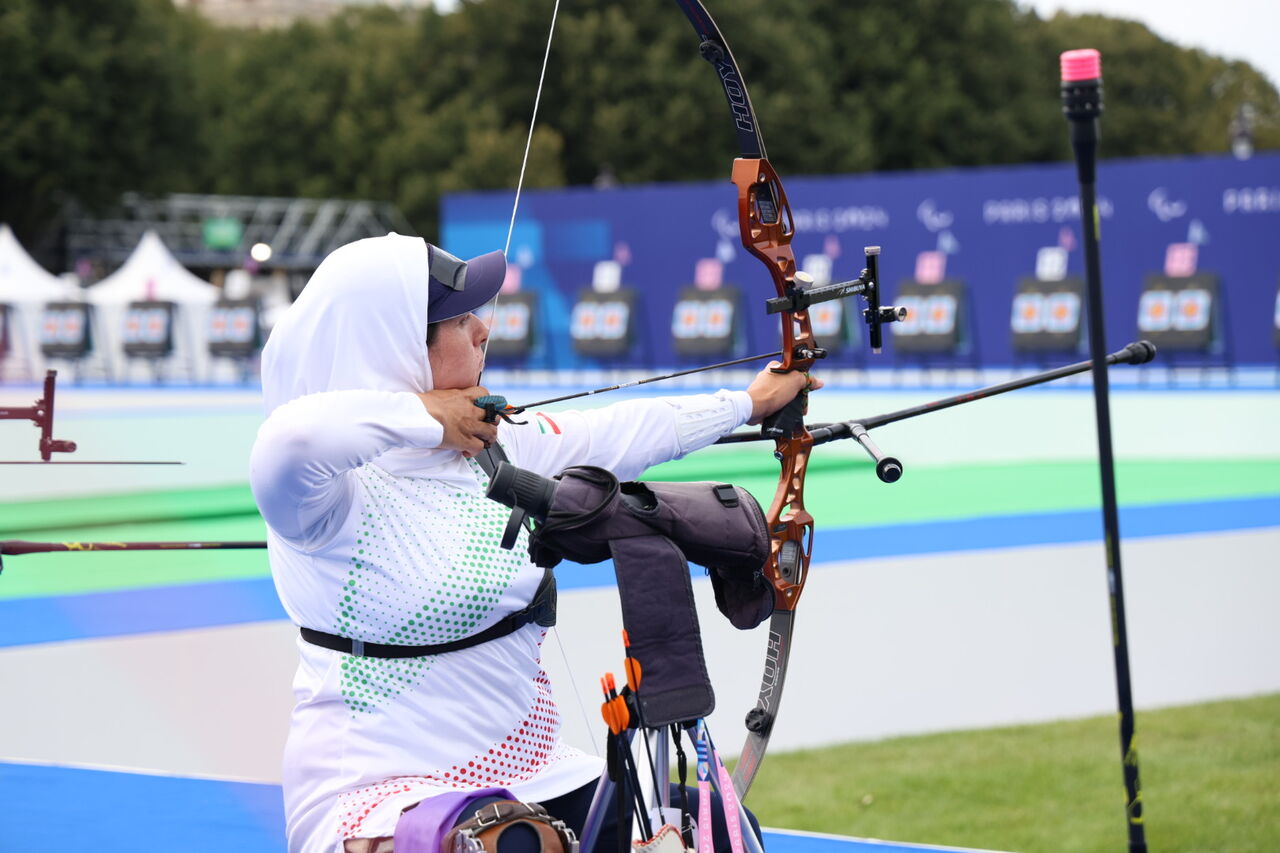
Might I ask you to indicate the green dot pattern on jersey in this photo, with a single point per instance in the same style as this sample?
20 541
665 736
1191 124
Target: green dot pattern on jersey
426 568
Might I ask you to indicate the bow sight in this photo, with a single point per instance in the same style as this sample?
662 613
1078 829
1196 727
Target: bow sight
41 413
867 285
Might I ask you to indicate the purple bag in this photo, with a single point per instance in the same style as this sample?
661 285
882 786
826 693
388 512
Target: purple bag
422 828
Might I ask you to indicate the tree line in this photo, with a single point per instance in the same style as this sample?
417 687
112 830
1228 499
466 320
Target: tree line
102 97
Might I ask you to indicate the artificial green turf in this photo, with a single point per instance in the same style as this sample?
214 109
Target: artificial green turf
925 492
841 491
844 491
1210 779
68 573
130 507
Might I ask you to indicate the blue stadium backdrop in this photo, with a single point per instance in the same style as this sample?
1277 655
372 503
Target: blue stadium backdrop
982 227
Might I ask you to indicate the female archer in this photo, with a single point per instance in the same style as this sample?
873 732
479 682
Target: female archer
420 695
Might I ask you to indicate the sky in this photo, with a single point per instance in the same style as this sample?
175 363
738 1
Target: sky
1235 29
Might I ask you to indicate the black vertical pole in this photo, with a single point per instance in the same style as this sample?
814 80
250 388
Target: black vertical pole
1082 104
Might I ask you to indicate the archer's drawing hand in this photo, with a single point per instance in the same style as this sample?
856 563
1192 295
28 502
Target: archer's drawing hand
463 421
772 391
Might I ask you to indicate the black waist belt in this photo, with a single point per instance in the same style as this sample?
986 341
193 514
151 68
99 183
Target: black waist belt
541 610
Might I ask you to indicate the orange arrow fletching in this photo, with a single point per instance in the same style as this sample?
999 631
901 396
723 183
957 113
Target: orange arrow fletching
633 673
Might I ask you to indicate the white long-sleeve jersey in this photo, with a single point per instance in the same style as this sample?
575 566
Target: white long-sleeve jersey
377 534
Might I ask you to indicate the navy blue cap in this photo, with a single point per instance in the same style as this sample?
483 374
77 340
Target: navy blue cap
458 287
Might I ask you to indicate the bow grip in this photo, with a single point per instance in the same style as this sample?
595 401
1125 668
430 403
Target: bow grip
788 421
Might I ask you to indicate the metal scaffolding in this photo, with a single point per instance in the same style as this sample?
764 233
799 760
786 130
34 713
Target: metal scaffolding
300 231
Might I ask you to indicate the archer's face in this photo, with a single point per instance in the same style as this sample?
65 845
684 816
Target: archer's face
456 354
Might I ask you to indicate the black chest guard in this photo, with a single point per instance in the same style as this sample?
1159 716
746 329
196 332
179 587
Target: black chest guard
652 531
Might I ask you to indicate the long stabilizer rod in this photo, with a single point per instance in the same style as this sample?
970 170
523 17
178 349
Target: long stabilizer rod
1138 352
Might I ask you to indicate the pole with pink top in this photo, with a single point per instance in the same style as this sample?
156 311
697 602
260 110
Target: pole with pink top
1082 105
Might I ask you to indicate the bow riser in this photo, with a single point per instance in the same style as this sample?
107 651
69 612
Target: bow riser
790 525
766 226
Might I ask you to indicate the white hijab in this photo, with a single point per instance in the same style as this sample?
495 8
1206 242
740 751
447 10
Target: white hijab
359 324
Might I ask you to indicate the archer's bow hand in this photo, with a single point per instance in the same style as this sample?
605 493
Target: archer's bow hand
464 424
772 391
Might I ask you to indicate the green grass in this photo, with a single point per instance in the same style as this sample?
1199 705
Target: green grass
1210 784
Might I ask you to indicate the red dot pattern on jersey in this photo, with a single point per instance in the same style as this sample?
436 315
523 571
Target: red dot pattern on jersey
521 754
356 805
517 757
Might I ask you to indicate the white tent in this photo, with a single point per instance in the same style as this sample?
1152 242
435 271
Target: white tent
26 286
152 272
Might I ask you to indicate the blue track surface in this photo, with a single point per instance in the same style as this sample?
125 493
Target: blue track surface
72 809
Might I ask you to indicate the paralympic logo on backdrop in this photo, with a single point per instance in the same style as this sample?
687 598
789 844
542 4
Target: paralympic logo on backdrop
932 218
1165 209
